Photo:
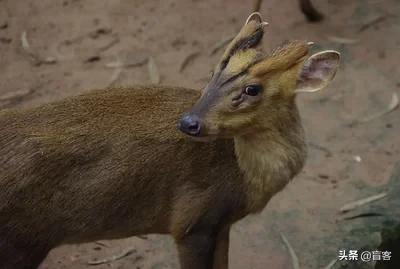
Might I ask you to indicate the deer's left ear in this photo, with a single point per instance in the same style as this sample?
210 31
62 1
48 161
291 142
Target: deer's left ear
318 71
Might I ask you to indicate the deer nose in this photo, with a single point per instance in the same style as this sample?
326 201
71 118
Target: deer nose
190 124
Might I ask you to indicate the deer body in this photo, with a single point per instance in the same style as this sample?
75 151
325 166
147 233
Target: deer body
116 167
112 163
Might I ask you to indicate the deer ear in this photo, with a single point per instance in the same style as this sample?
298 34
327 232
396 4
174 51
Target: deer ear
318 71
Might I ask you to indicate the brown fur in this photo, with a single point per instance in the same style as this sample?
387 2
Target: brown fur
108 164
99 166
112 163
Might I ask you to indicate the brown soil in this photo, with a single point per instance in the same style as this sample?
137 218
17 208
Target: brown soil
85 35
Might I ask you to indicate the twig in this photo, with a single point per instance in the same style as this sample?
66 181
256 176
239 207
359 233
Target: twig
115 76
102 244
394 103
327 152
363 215
331 264
36 59
13 98
372 22
343 40
127 64
109 45
27 48
354 205
221 44
295 260
123 254
188 59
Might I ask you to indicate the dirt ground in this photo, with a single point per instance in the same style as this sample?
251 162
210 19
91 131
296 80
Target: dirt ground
72 43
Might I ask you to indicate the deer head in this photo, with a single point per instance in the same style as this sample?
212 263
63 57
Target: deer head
248 88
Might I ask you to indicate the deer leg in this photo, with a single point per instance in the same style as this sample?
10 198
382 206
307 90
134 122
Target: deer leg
309 11
21 257
196 249
221 253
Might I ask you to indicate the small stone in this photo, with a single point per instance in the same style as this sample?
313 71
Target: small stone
94 58
4 25
323 176
5 40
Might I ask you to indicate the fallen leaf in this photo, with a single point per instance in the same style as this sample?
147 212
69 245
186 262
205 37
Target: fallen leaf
372 22
115 76
331 264
221 44
354 205
123 254
94 58
153 71
36 59
295 259
128 63
188 59
343 40
394 103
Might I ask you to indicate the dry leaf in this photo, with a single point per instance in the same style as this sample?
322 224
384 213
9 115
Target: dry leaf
15 94
50 60
123 254
295 259
128 63
331 264
354 205
113 42
372 22
24 41
190 58
15 97
93 58
36 59
115 76
154 75
394 103
343 40
221 44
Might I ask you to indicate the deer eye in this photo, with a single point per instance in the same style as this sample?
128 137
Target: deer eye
253 90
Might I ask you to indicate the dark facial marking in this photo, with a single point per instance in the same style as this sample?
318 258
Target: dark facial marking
243 44
248 42
234 77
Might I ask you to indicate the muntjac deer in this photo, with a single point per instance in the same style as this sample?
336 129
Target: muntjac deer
113 163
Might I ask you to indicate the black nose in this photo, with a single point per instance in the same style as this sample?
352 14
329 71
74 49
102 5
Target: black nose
190 124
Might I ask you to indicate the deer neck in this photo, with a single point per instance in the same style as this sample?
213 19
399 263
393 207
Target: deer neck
270 158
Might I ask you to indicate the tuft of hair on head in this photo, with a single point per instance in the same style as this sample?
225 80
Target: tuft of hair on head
282 58
294 70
